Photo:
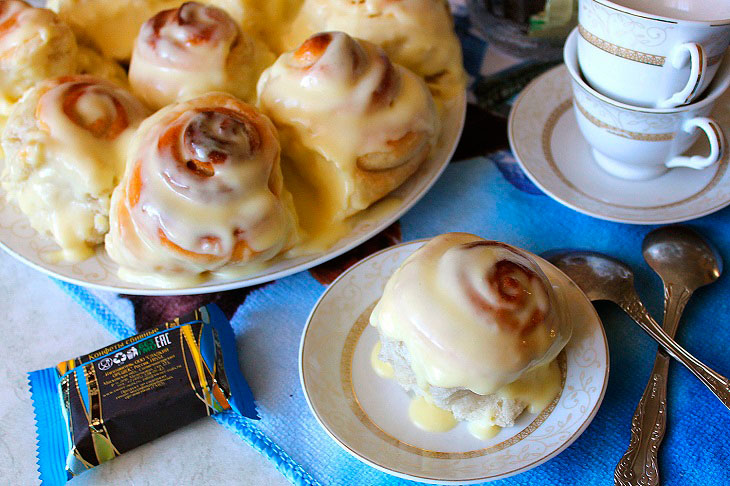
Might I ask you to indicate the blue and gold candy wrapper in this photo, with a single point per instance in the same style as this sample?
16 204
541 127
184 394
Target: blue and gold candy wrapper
95 407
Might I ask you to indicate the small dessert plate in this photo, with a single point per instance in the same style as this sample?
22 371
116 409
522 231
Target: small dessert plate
368 415
548 145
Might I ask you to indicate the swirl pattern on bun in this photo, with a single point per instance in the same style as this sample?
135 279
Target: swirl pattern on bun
355 125
418 34
110 27
65 145
202 192
473 314
34 45
188 51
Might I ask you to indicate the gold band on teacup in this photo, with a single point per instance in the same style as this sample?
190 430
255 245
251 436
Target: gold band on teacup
631 54
619 51
547 149
643 137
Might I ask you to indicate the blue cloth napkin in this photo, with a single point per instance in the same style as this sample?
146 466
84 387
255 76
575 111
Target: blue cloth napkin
473 196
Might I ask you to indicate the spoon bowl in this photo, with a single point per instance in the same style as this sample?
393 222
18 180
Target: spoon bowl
679 255
602 277
599 276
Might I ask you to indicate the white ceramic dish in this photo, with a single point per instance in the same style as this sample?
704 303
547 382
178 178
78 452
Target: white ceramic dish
25 244
547 143
368 415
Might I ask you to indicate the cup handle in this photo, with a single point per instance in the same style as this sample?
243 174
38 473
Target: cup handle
717 144
698 68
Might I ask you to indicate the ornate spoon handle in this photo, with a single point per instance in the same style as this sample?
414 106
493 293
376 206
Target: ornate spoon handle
718 384
639 465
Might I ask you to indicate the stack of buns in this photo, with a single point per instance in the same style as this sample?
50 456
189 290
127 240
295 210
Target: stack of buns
253 99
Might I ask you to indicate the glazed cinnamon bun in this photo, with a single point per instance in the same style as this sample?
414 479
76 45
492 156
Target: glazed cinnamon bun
111 26
474 326
187 51
34 45
354 125
65 145
418 34
202 192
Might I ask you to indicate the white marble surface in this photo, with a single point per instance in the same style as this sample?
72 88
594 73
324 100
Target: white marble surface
41 326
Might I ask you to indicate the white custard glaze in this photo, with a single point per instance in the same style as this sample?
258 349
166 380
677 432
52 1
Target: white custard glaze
473 314
202 192
427 416
112 25
382 368
34 45
65 146
185 52
347 115
109 26
94 63
418 34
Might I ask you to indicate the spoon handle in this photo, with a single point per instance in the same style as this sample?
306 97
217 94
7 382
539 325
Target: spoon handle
718 384
640 465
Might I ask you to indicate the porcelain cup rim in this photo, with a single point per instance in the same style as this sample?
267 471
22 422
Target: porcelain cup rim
658 17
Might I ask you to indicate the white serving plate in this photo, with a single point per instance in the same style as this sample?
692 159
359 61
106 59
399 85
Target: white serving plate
368 415
100 272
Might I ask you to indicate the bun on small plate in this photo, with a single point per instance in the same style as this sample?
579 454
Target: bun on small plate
474 327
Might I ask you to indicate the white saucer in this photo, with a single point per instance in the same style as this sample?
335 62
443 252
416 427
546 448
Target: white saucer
368 415
548 145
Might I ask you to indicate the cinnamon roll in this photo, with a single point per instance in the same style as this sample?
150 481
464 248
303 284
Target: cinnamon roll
65 145
474 326
111 26
202 192
34 45
354 125
187 51
418 34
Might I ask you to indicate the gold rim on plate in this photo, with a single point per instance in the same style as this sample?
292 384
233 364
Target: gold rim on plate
566 192
352 335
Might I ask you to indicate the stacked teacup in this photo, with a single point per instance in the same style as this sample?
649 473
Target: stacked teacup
646 75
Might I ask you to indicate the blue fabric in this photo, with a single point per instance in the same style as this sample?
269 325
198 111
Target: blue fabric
473 196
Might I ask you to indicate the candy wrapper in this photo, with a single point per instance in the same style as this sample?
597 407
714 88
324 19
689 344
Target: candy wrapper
95 407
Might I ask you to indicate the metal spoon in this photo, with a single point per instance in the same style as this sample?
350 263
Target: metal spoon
601 277
685 261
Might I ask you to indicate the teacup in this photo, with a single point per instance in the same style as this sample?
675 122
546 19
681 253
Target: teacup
643 143
652 53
